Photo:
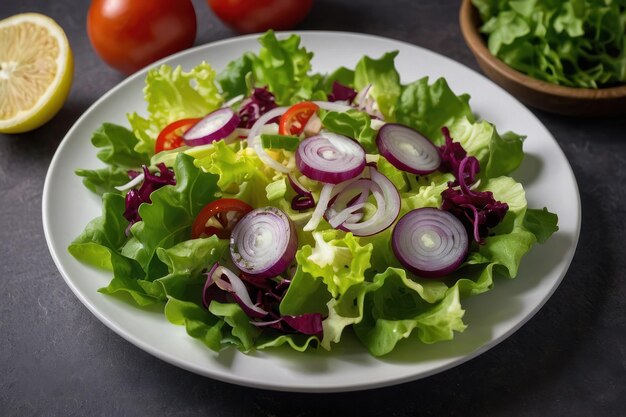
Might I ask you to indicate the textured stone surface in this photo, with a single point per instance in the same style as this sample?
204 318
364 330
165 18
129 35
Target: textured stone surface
56 359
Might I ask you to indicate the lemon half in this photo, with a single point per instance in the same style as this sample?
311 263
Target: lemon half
36 70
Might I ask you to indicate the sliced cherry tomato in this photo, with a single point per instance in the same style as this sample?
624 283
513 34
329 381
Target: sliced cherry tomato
171 137
219 217
292 122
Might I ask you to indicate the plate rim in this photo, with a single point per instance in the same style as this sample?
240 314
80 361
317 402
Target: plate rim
276 386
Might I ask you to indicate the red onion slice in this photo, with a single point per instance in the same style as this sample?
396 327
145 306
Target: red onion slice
330 158
407 149
214 126
430 242
235 286
254 139
263 242
297 185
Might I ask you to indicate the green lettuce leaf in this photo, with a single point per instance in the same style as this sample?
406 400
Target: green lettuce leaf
186 263
103 180
541 223
498 155
173 94
382 75
98 245
117 146
429 107
386 310
242 333
339 260
573 43
198 322
306 294
240 172
168 219
103 236
354 124
284 66
232 79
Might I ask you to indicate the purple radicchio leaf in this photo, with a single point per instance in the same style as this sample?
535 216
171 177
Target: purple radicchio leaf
151 182
342 93
258 103
478 210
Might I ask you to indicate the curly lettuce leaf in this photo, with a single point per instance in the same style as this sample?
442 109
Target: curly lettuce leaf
103 236
340 261
284 66
388 308
173 94
240 172
498 154
117 146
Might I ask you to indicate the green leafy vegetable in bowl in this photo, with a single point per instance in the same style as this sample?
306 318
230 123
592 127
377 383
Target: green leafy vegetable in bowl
575 43
297 205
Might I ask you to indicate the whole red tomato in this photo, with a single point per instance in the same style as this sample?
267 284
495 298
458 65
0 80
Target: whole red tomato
248 16
130 34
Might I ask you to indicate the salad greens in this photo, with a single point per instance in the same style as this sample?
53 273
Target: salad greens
576 43
352 282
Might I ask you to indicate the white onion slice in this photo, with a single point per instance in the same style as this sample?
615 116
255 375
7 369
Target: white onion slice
254 139
333 106
320 209
130 184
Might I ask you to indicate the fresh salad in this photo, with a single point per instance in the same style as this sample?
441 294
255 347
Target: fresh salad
267 204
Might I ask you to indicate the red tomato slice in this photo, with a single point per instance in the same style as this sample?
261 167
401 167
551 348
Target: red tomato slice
219 217
171 137
292 122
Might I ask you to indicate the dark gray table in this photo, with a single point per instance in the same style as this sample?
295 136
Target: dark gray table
56 359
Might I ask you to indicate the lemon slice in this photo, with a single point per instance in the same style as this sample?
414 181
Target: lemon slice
36 69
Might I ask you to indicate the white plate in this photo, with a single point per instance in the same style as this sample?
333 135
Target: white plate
545 173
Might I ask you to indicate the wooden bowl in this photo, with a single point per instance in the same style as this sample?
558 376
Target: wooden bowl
535 93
